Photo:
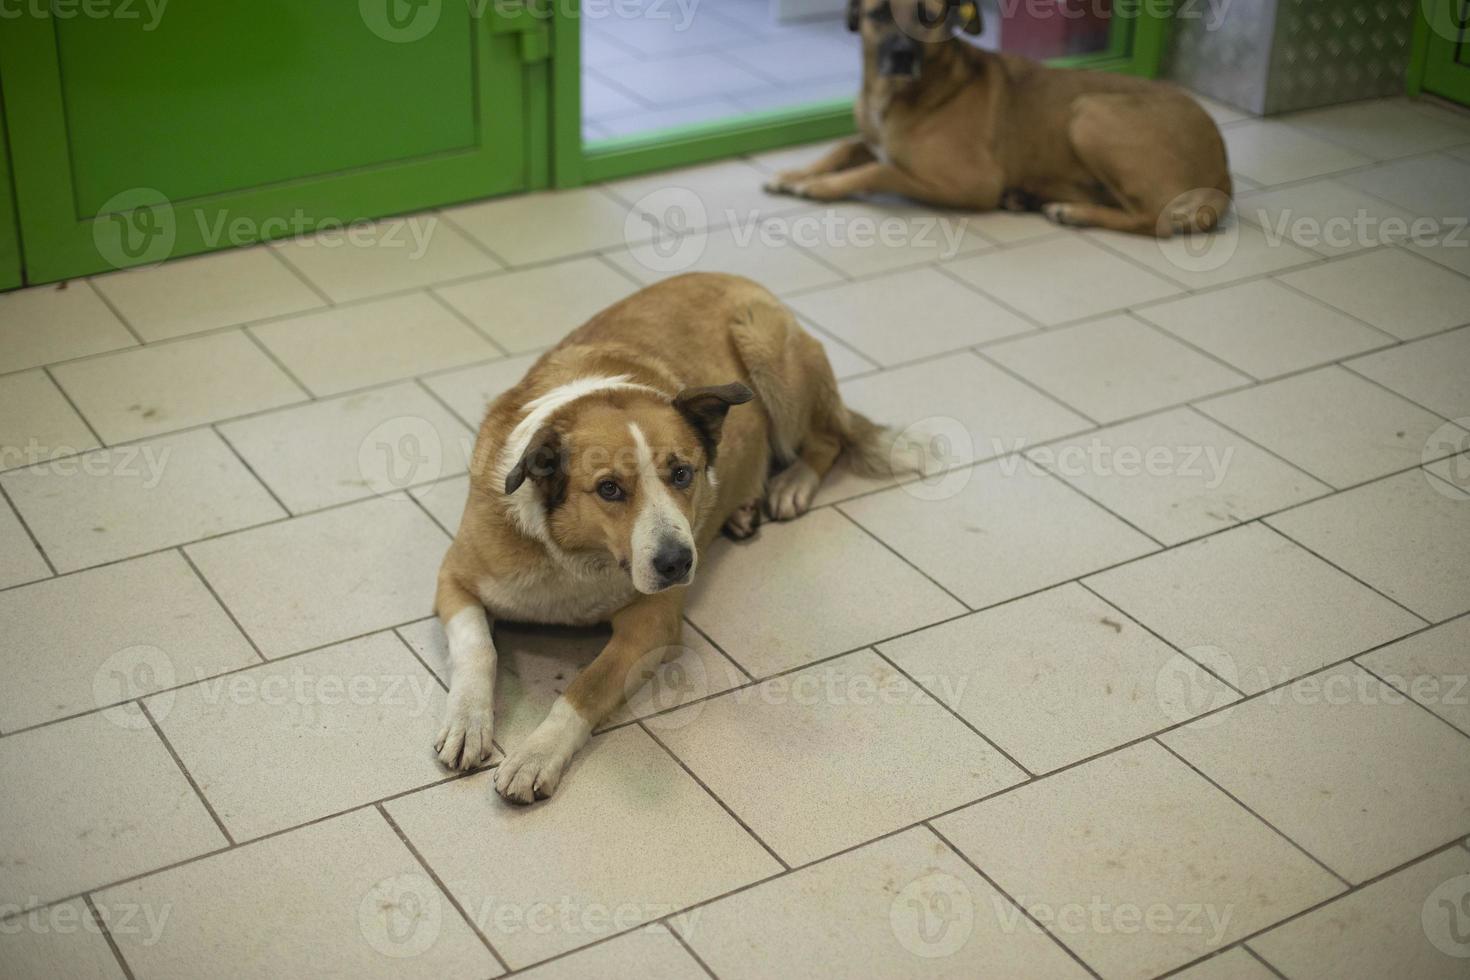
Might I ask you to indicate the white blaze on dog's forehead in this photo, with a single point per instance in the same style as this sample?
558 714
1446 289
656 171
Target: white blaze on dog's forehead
525 508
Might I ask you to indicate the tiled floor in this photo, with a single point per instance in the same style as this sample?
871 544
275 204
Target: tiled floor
1166 672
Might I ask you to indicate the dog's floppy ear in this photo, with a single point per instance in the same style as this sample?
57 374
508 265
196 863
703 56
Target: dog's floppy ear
544 462
967 17
705 408
854 14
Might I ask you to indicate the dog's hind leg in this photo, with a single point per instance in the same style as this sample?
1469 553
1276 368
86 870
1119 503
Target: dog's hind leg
848 154
1078 215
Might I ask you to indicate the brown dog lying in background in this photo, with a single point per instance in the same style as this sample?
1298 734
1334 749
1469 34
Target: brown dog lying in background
946 123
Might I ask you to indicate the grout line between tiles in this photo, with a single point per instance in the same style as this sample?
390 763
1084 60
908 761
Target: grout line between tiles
1263 961
112 308
203 580
443 888
455 312
184 769
71 402
299 275
107 935
1040 927
270 355
35 541
1011 372
1410 698
954 712
1346 366
894 551
235 451
714 796
679 937
721 650
1160 545
1367 585
1252 811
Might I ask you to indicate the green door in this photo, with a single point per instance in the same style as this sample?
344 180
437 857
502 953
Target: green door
158 129
1447 55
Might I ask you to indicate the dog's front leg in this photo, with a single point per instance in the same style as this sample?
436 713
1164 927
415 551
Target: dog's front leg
641 632
469 721
843 156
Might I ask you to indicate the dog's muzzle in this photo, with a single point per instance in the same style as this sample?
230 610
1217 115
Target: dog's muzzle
898 57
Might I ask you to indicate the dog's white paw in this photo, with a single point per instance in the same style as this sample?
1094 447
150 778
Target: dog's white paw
531 772
744 522
469 722
1059 213
789 493
783 183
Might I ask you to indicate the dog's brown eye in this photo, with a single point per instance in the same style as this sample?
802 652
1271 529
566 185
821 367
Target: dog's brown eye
681 477
609 490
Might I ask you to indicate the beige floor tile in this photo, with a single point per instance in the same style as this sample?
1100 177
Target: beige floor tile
102 802
820 563
1115 367
536 227
1233 964
115 503
1056 677
267 910
45 324
1432 668
834 755
535 308
1392 290
347 448
1269 151
207 291
385 256
903 906
976 410
36 423
876 316
1434 187
1220 112
1177 475
356 346
1265 329
1010 227
1339 763
1454 470
1253 607
1097 281
1335 425
706 196
1381 931
775 263
138 393
863 238
62 941
1100 850
1386 128
324 732
1327 216
845 361
650 953
470 390
328 576
1006 530
548 879
107 635
19 560
1237 250
445 500
1431 372
536 663
1403 535
1449 250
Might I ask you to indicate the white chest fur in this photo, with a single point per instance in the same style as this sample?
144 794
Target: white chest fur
559 597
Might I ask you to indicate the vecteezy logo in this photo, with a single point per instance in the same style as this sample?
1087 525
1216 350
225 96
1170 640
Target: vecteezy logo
1185 691
400 916
129 674
1452 437
933 915
665 229
400 21
1189 248
134 227
675 677
1446 917
398 453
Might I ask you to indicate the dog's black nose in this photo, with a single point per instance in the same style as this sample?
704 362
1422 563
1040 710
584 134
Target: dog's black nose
673 561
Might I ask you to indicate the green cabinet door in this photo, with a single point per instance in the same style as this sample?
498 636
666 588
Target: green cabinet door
200 124
1447 54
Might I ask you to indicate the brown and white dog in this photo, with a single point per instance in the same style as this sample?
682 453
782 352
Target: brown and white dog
597 480
943 122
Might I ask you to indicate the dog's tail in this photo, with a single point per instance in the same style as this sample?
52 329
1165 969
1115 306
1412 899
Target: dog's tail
1198 210
879 450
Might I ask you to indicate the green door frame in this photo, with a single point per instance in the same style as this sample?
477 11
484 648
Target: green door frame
12 271
510 153
1433 67
1135 51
